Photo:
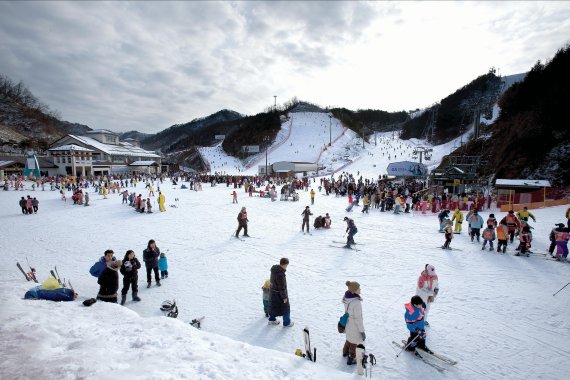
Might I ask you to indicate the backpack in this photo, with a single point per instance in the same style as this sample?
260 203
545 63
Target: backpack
97 269
341 325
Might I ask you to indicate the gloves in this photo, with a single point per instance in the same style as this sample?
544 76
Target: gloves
430 299
363 335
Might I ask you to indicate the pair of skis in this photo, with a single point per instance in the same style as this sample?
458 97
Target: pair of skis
29 276
56 276
309 354
425 354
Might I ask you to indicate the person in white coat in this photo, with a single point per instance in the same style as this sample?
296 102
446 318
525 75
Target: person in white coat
428 287
354 330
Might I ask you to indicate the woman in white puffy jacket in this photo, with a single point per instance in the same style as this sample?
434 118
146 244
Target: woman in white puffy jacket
428 286
355 326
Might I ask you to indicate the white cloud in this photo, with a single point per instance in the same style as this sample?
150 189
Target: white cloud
147 65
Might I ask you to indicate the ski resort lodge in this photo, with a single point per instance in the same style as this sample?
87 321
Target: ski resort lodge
101 153
287 167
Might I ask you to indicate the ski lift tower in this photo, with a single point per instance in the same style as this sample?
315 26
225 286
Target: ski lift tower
422 152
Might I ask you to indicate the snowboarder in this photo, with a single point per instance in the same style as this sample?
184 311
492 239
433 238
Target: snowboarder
279 297
150 258
242 222
488 236
306 213
354 329
414 317
352 230
129 270
428 288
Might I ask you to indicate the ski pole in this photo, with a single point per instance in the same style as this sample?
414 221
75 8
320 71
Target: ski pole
406 346
561 289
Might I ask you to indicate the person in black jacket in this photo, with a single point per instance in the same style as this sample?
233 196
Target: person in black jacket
150 258
129 270
109 282
279 298
306 213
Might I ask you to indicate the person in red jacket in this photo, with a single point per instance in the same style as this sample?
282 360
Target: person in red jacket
512 224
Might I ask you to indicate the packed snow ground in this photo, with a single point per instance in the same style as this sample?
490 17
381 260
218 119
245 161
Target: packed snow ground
495 313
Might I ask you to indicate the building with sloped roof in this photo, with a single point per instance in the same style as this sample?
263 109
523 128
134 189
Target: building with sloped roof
100 152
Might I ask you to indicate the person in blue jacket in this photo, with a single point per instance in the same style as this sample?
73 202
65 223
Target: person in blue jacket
475 224
415 323
163 266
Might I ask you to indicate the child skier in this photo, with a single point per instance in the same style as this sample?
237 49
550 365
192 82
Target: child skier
488 236
448 235
525 239
163 266
129 270
265 296
502 236
327 221
352 230
414 317
428 287
458 218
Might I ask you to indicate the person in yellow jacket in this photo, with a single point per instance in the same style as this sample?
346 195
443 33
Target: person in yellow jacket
161 200
104 192
524 213
312 196
458 217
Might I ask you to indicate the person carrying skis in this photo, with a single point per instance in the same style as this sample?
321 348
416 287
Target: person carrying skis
279 297
458 218
488 236
414 317
512 223
109 282
448 235
427 289
150 258
242 222
475 224
306 213
354 329
352 230
129 270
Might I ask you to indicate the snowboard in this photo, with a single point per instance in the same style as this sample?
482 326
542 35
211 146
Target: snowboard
309 354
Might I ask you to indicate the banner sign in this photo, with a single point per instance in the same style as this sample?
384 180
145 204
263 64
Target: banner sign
407 169
250 148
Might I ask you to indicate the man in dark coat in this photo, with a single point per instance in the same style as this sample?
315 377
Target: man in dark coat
306 213
242 222
279 299
109 282
150 258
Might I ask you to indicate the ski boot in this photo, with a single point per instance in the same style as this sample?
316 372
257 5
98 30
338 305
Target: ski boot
482 248
148 285
123 299
273 322
491 249
246 235
351 361
136 297
290 324
158 283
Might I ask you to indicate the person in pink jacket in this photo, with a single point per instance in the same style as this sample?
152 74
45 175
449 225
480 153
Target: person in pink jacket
428 287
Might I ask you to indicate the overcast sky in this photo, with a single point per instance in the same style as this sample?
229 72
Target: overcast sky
147 65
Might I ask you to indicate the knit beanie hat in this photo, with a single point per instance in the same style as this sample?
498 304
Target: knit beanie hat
430 269
353 286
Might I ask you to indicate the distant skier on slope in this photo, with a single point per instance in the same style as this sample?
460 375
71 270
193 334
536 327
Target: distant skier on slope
306 213
352 230
242 222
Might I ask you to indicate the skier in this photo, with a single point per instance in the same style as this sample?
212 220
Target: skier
488 236
525 238
562 238
458 217
109 282
512 223
492 220
524 213
502 236
279 298
312 196
442 217
475 224
354 329
150 258
414 317
552 236
129 270
234 197
306 213
352 230
327 221
242 222
448 235
428 287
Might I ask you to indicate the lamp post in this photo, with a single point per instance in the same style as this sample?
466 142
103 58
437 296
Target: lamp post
266 140
330 133
275 104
